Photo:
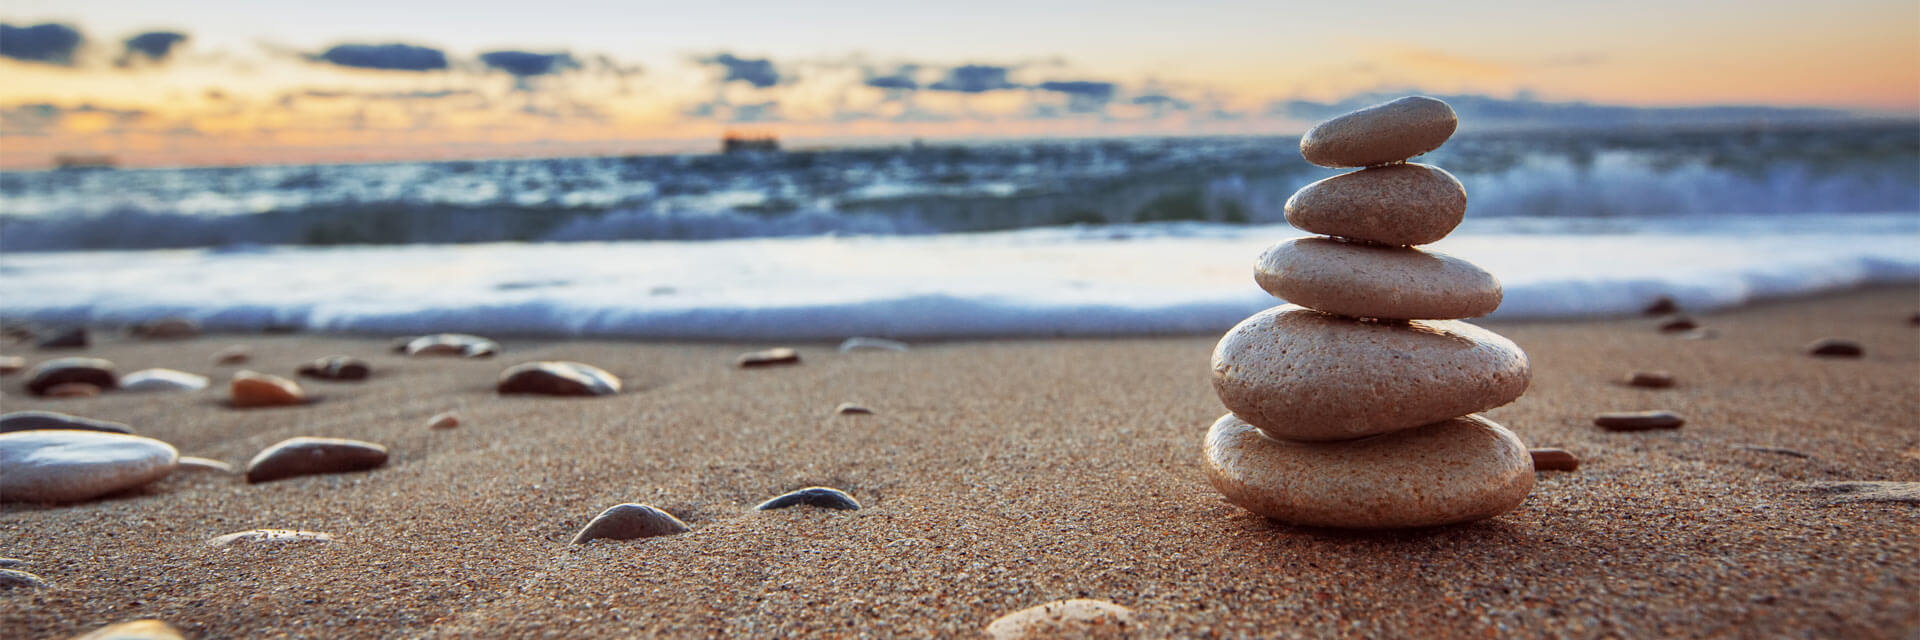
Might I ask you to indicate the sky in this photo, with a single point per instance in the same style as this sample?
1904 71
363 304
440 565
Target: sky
243 81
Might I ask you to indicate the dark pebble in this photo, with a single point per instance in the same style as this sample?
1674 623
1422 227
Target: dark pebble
1554 460
1661 306
823 497
308 456
336 368
1638 420
93 371
33 420
1678 323
770 357
557 378
1650 379
630 521
848 408
75 338
1835 348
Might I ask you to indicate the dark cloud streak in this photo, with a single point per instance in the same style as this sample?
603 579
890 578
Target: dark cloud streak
385 57
152 46
758 72
525 64
50 43
974 78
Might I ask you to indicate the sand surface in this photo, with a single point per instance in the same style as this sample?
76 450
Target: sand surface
996 476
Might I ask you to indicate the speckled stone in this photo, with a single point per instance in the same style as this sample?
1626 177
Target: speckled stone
1835 348
148 629
1638 420
336 368
35 420
1304 375
1404 204
269 537
309 456
1380 134
1372 281
150 380
60 465
16 579
630 521
1077 618
453 344
768 358
93 371
557 378
252 389
1457 470
823 497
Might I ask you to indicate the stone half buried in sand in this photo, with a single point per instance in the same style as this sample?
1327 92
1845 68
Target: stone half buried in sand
1380 134
69 466
1457 470
58 371
557 378
823 497
305 455
628 522
1301 374
1371 281
1402 204
252 389
1077 618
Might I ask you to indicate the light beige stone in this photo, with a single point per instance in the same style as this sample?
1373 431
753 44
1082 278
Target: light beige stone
1457 470
1372 281
1077 618
61 465
1300 374
1402 204
1381 133
148 629
269 537
630 521
255 389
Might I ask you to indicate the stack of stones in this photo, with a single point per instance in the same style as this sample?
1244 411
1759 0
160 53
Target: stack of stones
1355 406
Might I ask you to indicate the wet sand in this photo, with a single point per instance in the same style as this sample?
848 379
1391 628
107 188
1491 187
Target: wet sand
996 475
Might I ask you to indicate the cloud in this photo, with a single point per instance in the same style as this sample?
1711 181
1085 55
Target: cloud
524 64
385 57
152 46
900 80
1082 96
50 43
758 72
974 78
41 118
385 95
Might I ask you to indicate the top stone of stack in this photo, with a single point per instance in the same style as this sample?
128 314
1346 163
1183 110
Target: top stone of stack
1381 134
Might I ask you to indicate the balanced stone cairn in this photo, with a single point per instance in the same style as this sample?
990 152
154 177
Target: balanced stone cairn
1356 406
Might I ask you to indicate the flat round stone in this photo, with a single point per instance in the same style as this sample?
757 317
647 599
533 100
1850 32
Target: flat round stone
1300 374
254 389
35 420
1458 470
1077 618
630 521
309 456
1372 281
57 371
557 378
1402 204
269 537
823 497
1381 133
162 380
1638 420
69 466
1553 460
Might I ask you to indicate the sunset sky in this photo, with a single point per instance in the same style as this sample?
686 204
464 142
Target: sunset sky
236 81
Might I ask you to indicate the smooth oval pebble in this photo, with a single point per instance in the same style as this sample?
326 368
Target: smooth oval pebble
453 344
1380 134
235 354
630 521
308 456
1638 420
1077 618
1835 348
162 380
67 466
57 371
75 338
16 579
10 365
190 463
251 389
173 328
1457 470
336 368
823 497
447 420
1304 375
871 344
1650 379
72 390
148 629
269 536
769 357
1553 460
1403 204
1371 281
848 408
557 378
33 420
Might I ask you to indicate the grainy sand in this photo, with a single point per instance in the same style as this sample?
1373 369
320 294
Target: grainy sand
997 476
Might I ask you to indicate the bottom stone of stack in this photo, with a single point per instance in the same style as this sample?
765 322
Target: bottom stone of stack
1457 470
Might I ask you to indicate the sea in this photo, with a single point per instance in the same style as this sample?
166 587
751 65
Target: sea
1098 237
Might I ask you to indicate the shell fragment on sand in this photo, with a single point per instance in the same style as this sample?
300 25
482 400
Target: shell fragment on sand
94 371
768 358
305 455
852 409
1380 134
269 537
823 497
628 522
1638 420
36 420
1402 204
444 420
1372 281
70 466
1077 618
162 380
557 378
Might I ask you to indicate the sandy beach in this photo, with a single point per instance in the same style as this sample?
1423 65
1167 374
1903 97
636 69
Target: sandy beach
996 475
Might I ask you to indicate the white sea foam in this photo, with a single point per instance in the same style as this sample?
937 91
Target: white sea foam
1111 280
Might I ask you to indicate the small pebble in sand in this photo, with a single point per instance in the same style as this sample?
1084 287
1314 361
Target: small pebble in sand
1774 450
871 344
1554 460
769 357
1835 348
453 344
251 389
848 408
823 497
10 365
309 456
557 378
59 465
1868 491
444 420
162 380
336 368
1078 618
16 579
93 371
630 521
269 537
171 328
148 629
1677 323
32 420
1661 306
1638 420
1650 379
190 463
75 338
72 390
233 355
